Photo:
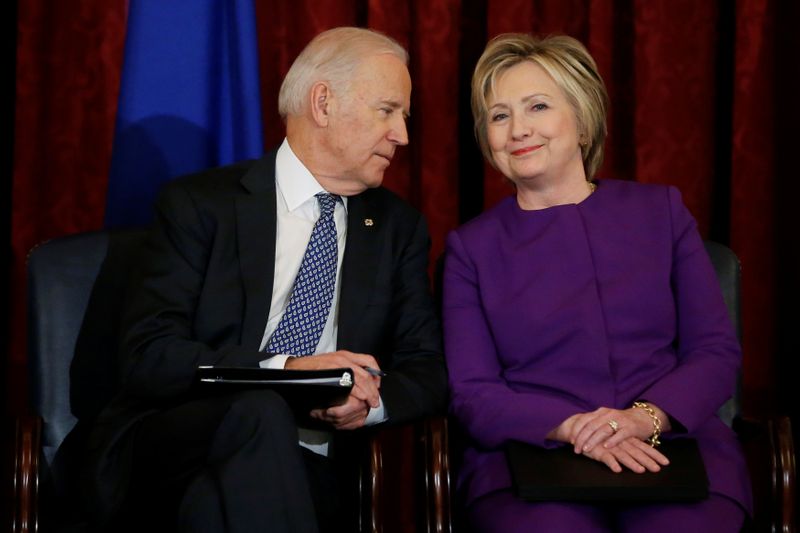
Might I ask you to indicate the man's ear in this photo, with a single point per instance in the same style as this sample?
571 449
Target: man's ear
321 103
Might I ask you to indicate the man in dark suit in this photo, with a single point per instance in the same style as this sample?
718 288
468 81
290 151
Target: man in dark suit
225 282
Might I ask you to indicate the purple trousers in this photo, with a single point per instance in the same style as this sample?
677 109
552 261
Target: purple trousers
502 512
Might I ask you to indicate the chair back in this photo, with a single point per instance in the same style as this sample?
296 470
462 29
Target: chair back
728 270
76 286
61 274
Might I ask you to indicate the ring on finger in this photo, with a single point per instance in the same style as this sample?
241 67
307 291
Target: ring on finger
614 425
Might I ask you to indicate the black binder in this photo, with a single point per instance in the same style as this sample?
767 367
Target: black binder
303 390
559 474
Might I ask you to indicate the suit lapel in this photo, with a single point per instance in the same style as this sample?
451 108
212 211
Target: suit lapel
359 266
256 227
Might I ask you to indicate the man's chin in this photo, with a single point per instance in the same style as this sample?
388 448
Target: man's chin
373 180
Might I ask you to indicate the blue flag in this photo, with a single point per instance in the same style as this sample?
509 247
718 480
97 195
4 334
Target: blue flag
189 98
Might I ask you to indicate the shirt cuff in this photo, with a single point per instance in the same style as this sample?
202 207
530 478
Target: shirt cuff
376 414
276 361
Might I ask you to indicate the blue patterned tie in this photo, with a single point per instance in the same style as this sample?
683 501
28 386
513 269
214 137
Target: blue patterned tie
301 327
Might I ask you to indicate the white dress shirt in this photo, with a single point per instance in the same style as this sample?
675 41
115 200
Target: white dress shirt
297 212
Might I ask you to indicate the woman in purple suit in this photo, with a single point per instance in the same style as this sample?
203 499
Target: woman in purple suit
581 313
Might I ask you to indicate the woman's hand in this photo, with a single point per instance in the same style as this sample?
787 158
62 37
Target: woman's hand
632 453
617 450
609 427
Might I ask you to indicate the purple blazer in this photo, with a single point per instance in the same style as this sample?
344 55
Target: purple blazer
563 310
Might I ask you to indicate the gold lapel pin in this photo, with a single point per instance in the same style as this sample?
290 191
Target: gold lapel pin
368 222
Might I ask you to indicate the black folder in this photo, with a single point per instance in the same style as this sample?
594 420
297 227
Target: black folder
303 390
559 474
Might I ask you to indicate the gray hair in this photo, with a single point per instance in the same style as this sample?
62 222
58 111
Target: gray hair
332 56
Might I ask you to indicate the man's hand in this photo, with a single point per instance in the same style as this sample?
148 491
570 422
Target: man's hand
351 415
366 385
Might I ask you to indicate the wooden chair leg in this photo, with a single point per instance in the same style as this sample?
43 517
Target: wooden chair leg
24 438
406 469
783 474
433 436
370 488
769 449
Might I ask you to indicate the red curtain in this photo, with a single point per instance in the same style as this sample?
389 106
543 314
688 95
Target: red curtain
700 100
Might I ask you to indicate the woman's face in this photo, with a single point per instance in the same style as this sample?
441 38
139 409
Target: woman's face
532 129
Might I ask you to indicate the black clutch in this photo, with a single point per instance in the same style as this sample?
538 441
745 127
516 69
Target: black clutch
559 474
303 390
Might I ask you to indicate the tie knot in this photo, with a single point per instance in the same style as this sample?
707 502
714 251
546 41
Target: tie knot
327 203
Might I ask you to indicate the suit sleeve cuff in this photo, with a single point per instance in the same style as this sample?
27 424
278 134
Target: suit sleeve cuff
376 414
276 361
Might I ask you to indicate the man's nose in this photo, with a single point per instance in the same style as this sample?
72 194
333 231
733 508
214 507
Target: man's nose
398 134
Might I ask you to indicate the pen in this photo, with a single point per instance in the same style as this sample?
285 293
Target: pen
375 371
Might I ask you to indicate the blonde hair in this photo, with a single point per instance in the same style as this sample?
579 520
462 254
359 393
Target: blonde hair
573 70
332 56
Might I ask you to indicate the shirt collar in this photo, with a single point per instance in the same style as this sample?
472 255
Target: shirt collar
295 181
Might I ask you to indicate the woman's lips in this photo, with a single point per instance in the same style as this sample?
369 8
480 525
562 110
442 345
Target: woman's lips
526 150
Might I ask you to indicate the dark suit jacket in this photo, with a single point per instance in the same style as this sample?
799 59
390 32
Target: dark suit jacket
206 290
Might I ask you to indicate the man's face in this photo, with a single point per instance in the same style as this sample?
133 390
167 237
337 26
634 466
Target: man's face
369 122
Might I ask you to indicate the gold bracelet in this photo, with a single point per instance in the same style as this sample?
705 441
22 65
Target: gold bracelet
653 440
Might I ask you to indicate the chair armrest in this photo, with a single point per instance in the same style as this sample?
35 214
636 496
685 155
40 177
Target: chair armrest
21 460
371 487
435 448
404 475
769 448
